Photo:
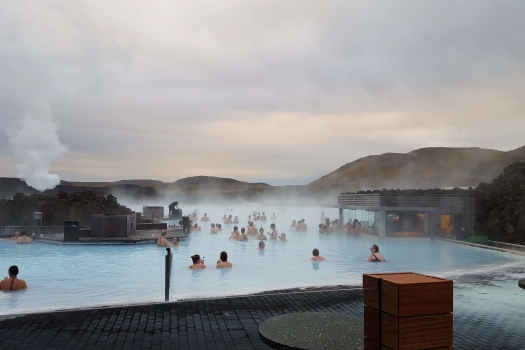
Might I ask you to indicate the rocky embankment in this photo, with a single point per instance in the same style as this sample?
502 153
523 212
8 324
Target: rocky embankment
501 211
57 208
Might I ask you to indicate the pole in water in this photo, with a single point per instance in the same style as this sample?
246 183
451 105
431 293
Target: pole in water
168 275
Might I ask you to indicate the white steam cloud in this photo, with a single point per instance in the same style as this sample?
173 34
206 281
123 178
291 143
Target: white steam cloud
36 146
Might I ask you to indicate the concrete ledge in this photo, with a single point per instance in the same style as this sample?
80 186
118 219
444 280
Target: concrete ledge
509 246
482 246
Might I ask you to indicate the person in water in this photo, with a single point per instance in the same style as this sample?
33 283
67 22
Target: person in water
282 237
175 242
322 229
261 235
274 233
293 226
236 220
13 283
375 255
235 234
196 227
24 239
219 227
214 229
15 237
243 236
205 218
223 261
316 255
252 230
198 263
301 226
273 217
228 220
261 245
162 241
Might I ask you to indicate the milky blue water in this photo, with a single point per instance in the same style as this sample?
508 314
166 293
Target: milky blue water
63 277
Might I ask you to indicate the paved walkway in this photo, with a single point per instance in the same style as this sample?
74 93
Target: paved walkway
232 323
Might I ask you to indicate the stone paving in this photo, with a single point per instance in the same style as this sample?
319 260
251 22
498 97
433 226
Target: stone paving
232 323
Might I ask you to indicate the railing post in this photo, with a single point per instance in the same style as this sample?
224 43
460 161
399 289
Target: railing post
168 275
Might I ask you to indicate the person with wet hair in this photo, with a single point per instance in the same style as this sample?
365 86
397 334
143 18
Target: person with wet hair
223 261
205 218
261 236
282 237
235 234
274 233
322 229
13 283
219 227
196 227
261 245
243 236
24 239
198 263
15 237
301 226
175 242
228 220
162 241
214 229
375 255
293 226
252 230
316 255
236 220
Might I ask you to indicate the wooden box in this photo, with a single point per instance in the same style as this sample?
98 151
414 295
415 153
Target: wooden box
372 324
369 344
372 288
406 295
421 332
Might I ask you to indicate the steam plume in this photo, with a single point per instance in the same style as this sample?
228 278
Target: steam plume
36 146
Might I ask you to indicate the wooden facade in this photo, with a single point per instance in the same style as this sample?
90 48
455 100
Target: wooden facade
108 225
155 212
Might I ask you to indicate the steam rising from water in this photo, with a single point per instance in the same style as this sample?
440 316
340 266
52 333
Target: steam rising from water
36 146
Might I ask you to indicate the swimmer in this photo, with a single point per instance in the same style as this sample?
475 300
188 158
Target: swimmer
235 234
15 237
243 236
219 226
205 218
198 263
228 220
261 235
162 241
196 227
316 255
224 218
274 233
24 239
293 226
263 216
236 220
335 226
301 226
13 282
375 255
223 261
252 230
322 228
175 242
282 237
261 245
214 229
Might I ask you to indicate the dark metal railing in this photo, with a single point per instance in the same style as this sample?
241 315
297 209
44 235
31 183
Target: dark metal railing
169 260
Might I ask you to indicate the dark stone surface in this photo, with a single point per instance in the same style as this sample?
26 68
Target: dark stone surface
521 283
312 330
233 323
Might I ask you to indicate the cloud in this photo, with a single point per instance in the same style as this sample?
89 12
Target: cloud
286 91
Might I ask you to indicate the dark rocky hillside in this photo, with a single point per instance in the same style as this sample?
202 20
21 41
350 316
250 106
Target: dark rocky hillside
57 208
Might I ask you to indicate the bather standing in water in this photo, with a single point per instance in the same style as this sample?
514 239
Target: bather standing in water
282 237
214 229
252 230
205 218
198 263
375 255
235 234
261 235
274 233
243 236
13 283
162 241
15 237
223 261
261 245
293 226
301 226
175 242
316 255
236 220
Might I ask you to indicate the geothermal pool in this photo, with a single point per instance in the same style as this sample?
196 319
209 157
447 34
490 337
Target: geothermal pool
72 276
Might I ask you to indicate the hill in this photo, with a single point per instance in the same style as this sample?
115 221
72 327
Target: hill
437 167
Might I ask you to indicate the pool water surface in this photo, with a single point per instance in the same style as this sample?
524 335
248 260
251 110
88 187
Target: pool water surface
75 276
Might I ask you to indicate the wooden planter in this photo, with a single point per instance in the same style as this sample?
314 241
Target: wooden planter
407 311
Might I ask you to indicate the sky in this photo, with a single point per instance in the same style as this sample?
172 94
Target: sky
281 92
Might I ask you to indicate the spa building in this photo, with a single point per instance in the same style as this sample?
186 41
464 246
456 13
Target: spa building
410 213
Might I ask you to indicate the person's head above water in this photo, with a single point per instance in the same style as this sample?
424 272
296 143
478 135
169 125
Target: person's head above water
261 244
195 258
13 271
261 230
224 256
315 252
212 225
272 226
375 248
175 240
243 230
164 233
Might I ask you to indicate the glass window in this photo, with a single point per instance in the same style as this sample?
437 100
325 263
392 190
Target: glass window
405 224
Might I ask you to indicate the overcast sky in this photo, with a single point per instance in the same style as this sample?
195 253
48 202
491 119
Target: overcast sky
275 91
